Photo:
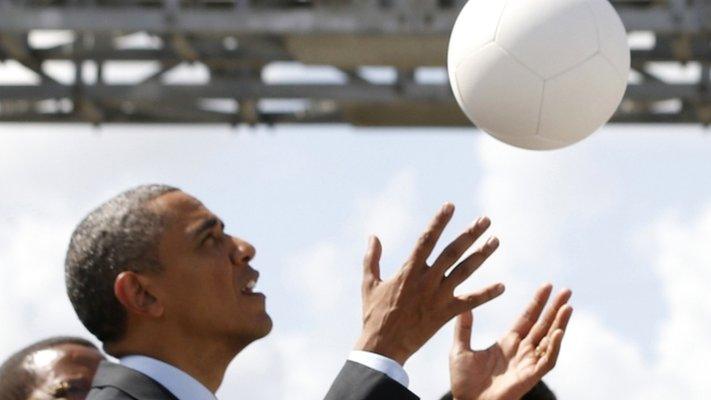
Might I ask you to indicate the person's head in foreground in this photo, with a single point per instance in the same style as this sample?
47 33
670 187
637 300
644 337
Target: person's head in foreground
539 392
152 271
54 368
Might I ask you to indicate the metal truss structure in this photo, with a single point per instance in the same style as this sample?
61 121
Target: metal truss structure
363 62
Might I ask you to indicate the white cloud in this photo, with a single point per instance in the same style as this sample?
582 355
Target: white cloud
389 214
33 303
326 277
596 363
683 263
530 196
613 366
319 277
258 372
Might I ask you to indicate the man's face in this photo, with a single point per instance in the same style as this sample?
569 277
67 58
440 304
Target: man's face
64 371
206 282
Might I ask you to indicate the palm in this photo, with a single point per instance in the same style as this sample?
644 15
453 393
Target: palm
510 367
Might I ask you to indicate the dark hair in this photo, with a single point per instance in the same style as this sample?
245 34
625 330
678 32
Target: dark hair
538 392
120 235
18 382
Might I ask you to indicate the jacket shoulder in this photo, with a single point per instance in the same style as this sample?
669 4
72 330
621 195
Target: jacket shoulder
358 382
108 393
115 381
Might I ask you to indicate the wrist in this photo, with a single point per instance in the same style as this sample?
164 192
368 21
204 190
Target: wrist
372 345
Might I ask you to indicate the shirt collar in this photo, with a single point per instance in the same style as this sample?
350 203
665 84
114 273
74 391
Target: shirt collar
179 383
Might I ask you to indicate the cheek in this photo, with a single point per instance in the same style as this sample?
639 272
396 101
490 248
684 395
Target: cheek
201 290
213 285
185 290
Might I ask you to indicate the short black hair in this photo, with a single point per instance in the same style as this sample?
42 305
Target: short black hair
18 382
539 392
120 235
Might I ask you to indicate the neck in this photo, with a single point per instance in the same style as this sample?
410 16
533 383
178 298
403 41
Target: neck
204 360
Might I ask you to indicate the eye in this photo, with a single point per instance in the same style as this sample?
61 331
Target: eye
74 389
60 390
213 239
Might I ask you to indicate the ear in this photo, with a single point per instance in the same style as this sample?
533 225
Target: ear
131 290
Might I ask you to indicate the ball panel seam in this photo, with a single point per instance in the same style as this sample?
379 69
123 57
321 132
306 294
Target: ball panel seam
565 71
479 50
597 28
463 100
540 110
619 73
542 139
498 23
519 62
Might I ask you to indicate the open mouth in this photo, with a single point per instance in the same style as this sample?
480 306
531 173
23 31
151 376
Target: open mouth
248 288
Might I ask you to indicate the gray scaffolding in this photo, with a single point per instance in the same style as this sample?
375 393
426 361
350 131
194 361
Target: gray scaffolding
385 61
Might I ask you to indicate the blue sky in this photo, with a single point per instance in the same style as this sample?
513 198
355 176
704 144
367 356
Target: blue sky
623 218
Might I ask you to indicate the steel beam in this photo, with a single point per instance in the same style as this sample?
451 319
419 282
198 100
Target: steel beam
347 20
236 43
351 92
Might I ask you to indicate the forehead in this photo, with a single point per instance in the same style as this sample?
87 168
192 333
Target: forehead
45 358
63 356
78 354
180 209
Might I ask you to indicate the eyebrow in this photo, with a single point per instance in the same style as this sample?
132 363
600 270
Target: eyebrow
205 225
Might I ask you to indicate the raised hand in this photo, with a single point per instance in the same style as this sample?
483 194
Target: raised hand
512 366
401 314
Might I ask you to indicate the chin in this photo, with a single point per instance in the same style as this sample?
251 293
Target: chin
265 325
259 328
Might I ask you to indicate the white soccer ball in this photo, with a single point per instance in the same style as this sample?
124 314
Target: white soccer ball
538 74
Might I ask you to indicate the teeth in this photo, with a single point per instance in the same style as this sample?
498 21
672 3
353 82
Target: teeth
250 285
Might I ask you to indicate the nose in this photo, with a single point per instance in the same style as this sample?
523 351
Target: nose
244 251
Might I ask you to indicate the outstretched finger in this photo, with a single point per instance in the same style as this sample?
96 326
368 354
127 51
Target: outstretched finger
541 328
529 317
470 264
371 262
459 246
548 360
463 331
475 299
429 238
561 319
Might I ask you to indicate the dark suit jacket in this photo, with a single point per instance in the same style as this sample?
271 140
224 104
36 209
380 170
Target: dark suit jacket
354 382
116 382
358 382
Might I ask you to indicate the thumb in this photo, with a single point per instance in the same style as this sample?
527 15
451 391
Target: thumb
463 331
371 262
